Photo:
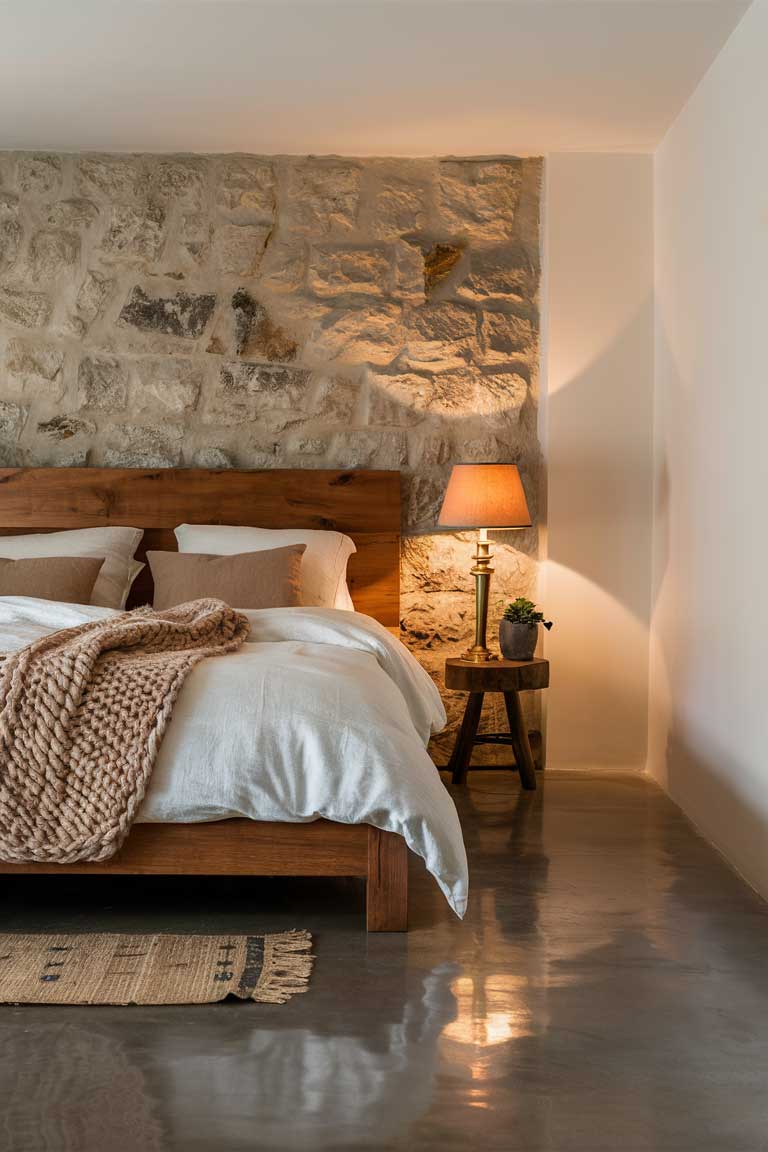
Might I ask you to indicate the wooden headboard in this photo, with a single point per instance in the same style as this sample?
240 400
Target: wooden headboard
365 505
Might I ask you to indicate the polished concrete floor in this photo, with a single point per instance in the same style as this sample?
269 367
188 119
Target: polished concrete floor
607 992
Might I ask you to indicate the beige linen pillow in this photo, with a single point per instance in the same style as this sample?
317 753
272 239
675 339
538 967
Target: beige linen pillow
69 579
114 545
323 571
266 579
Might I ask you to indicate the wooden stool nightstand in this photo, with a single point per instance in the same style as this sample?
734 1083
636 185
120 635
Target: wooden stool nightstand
510 677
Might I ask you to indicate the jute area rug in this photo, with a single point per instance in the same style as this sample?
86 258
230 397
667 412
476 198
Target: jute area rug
116 969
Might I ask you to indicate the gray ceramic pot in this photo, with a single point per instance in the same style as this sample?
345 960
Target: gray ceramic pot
517 641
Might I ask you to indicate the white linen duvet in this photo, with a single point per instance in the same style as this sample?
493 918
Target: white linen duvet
321 714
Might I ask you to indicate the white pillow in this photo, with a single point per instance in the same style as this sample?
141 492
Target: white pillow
323 569
116 545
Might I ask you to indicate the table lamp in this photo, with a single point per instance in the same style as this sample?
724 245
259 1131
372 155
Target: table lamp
483 496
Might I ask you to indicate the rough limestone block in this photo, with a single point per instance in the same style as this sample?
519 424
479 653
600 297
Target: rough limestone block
373 334
302 445
228 411
454 393
75 215
192 244
335 400
115 179
340 271
395 392
467 390
260 453
364 448
382 411
438 563
255 333
320 197
180 181
102 382
479 200
384 270
480 448
213 457
35 369
442 335
39 174
238 248
426 450
135 233
435 623
91 297
12 418
398 208
12 455
143 446
245 187
283 266
11 231
423 497
52 253
75 457
66 427
23 308
296 314
528 210
164 385
500 394
409 273
504 335
501 273
183 314
244 328
265 385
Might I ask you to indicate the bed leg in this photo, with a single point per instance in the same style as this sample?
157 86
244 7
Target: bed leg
387 887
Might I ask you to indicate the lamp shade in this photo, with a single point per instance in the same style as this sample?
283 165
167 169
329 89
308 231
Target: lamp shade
484 496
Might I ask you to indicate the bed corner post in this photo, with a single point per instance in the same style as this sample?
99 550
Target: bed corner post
386 895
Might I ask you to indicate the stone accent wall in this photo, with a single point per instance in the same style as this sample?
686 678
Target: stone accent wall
257 312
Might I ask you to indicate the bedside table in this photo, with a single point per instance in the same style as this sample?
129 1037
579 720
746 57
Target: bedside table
509 677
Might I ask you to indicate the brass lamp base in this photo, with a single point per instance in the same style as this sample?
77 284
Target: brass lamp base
480 653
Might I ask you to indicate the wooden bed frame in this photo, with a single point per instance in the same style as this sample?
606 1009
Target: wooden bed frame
363 504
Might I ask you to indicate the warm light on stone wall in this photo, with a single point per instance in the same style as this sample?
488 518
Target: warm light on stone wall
243 311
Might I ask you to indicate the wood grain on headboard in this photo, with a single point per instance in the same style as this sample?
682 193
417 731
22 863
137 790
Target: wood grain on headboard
363 504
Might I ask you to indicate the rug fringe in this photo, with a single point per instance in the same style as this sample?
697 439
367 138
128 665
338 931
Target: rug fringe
287 968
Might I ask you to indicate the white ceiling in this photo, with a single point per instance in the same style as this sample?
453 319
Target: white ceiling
387 78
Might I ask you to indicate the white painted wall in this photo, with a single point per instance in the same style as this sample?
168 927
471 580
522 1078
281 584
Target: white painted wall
597 440
709 671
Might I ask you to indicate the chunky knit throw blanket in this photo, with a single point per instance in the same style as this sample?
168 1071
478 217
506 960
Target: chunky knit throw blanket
82 714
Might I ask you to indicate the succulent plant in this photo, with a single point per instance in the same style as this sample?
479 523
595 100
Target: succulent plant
522 611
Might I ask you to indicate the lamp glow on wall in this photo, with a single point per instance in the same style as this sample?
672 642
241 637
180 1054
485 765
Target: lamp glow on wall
486 497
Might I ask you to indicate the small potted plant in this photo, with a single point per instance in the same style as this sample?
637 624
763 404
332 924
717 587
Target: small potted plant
519 629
